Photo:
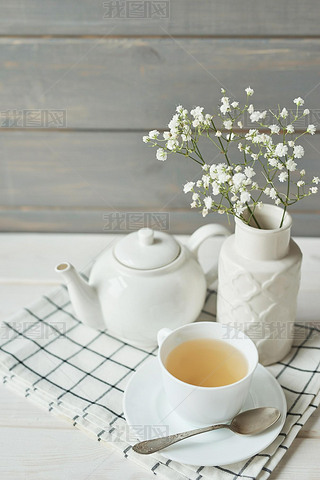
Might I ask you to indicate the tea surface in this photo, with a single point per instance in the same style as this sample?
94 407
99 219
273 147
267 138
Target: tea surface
207 363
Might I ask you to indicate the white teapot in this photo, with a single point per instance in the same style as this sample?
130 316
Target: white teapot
142 283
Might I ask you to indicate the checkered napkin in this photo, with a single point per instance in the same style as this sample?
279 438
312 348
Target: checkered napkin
80 374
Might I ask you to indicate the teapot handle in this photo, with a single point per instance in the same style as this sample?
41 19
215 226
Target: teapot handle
200 236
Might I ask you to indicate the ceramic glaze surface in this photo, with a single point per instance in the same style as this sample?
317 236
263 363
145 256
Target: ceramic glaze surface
259 295
144 282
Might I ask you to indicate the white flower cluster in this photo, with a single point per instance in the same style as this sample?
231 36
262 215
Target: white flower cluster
229 187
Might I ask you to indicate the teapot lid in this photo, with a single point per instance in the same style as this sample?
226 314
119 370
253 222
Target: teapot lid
147 249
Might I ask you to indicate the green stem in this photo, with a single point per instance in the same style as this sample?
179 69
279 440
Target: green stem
252 215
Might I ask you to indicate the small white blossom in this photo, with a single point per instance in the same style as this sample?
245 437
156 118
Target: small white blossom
245 197
154 134
234 104
240 146
267 191
249 172
195 197
298 151
240 124
281 150
196 111
311 129
215 188
315 180
228 124
300 183
206 180
188 187
291 143
208 202
290 128
280 166
274 129
230 136
193 204
204 212
145 139
205 167
254 156
273 162
313 189
277 201
199 183
256 116
238 168
238 179
284 113
161 154
172 144
306 111
302 172
298 101
291 165
234 198
249 91
218 133
283 176
250 108
273 193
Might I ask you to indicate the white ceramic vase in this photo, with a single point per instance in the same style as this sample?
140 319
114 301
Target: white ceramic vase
259 278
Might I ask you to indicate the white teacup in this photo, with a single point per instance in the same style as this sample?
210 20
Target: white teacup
206 405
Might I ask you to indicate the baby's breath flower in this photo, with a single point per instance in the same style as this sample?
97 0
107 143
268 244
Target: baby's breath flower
281 150
300 183
249 91
277 201
250 108
154 134
256 116
245 197
273 162
315 180
161 154
284 113
195 196
283 176
273 193
240 146
311 129
306 111
291 165
290 128
298 151
205 212
234 104
238 168
249 172
228 124
274 129
208 202
313 189
188 187
298 101
238 179
240 124
145 139
218 133
302 172
199 183
291 143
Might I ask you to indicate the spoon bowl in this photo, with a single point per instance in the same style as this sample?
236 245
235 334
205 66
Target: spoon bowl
250 422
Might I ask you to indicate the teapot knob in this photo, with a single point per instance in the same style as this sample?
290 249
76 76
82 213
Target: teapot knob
146 236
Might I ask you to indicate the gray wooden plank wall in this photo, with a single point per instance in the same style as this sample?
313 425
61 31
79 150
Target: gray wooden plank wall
114 79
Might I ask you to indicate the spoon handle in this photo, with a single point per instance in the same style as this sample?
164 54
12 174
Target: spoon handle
156 444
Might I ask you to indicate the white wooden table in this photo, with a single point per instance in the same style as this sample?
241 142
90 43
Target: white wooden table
35 445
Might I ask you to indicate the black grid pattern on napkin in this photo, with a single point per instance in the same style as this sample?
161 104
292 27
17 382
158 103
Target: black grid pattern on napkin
98 362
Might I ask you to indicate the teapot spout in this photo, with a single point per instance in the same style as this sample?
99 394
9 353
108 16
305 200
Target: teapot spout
83 297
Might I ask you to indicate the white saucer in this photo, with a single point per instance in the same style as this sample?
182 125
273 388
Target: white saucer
148 413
